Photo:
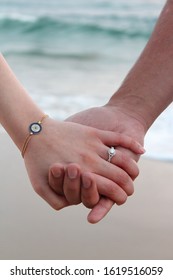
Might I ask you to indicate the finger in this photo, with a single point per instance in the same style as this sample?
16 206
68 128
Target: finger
110 189
72 183
89 192
110 193
117 175
100 210
129 153
118 139
56 178
125 162
43 189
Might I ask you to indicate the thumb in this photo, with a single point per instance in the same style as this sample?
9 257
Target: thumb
100 210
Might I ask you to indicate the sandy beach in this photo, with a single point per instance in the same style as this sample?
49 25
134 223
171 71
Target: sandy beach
30 229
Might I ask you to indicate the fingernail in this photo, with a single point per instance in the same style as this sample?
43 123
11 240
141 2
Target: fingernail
86 182
72 173
56 173
141 149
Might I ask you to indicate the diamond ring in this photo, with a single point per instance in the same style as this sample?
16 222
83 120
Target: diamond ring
111 153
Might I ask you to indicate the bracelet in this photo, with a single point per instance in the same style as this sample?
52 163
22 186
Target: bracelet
34 128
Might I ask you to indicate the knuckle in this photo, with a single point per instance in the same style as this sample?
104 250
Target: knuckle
117 194
126 183
56 206
136 172
133 170
122 199
124 178
130 191
88 159
129 165
74 201
88 205
88 201
129 188
85 157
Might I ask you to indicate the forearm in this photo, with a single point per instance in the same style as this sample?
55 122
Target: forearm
17 110
148 88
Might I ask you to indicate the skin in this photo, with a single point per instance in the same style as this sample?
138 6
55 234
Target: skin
122 124
144 94
59 142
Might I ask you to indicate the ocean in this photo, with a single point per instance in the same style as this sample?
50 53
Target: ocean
72 55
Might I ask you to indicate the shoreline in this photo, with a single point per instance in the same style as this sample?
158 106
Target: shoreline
140 229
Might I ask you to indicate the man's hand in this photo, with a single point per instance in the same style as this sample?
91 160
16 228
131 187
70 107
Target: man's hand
110 118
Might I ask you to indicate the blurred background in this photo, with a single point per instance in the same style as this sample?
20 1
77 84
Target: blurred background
71 55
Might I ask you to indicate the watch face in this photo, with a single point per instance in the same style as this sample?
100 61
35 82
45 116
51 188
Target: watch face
35 128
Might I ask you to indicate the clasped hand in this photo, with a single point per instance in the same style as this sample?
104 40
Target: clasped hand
68 165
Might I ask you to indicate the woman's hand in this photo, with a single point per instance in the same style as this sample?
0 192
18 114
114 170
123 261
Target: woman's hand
108 117
65 143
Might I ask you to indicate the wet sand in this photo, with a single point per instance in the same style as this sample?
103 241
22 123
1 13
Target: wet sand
29 229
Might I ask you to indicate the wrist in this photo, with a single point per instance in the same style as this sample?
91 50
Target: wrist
34 129
44 141
17 125
133 106
17 109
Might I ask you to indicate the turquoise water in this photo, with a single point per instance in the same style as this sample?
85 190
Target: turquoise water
71 55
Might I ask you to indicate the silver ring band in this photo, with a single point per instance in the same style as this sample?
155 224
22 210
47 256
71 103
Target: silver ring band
111 153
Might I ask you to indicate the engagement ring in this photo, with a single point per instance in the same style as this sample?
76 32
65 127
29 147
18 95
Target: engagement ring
111 153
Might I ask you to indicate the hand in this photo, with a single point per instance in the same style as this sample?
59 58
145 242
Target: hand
107 117
65 142
88 189
113 118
